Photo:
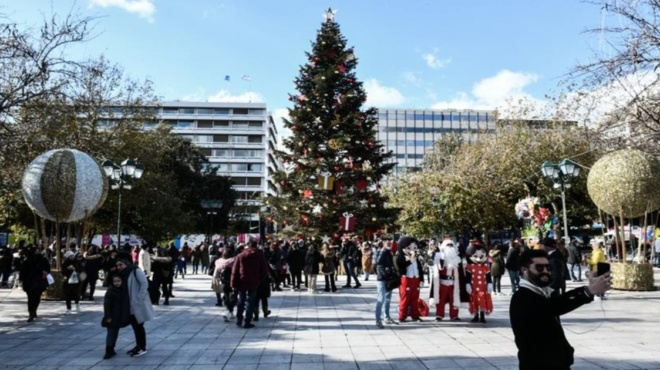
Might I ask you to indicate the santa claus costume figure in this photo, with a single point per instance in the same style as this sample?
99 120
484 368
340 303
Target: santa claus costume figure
479 282
444 285
411 271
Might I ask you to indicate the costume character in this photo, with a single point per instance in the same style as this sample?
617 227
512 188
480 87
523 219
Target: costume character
411 271
446 277
480 283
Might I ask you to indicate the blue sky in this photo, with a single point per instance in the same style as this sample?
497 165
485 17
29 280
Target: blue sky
412 54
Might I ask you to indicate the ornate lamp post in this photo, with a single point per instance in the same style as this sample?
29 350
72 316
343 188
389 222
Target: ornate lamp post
120 177
560 173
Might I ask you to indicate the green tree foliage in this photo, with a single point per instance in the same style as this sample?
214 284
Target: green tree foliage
331 133
478 185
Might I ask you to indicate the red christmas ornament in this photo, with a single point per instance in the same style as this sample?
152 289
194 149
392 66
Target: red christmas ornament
336 169
339 187
305 219
307 194
335 235
283 183
334 201
342 68
362 184
294 128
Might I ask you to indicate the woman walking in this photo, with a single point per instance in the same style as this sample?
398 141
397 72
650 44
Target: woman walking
223 270
496 268
71 269
312 260
367 259
329 266
33 275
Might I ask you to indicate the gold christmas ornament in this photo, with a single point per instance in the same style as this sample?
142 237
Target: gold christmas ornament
334 144
625 180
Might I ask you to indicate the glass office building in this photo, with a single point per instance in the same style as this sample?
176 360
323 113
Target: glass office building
409 133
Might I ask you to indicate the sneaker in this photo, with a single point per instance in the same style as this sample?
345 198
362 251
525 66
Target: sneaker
456 319
224 317
248 325
391 322
267 313
133 350
139 352
438 318
68 312
417 319
379 325
357 286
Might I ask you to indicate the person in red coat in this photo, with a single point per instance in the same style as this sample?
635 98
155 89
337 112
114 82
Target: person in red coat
479 282
411 271
250 269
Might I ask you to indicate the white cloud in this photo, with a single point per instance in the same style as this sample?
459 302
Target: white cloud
493 92
434 62
226 96
143 8
382 96
412 78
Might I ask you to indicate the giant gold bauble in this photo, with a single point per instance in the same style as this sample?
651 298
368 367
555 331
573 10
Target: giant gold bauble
625 181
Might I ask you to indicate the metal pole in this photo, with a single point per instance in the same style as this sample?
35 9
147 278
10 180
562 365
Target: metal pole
121 186
563 203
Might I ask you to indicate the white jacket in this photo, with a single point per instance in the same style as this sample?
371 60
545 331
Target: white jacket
144 261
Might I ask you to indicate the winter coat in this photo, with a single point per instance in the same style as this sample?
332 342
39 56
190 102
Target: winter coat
116 307
66 272
138 293
144 261
597 255
33 273
512 256
250 269
204 257
312 260
384 264
367 258
496 263
296 260
329 255
93 264
161 269
574 255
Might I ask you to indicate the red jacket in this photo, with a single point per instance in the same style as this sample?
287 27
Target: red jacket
250 269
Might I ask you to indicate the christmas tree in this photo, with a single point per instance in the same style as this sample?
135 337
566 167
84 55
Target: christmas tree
333 162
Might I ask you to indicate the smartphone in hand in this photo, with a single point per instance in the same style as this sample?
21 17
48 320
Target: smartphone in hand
602 268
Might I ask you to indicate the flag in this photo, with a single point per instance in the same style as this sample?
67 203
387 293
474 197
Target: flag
246 78
226 77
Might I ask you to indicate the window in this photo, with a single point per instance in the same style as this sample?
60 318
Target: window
240 111
220 138
220 152
245 153
254 112
204 138
220 167
238 139
240 125
254 167
167 110
204 111
185 124
255 124
255 139
187 110
206 151
254 181
204 124
220 123
238 180
221 111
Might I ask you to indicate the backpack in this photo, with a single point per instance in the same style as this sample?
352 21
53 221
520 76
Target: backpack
225 276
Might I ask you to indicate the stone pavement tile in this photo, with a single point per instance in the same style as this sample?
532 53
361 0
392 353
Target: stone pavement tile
470 363
374 365
308 366
303 358
172 367
275 359
242 360
340 366
30 367
408 365
274 367
204 367
213 357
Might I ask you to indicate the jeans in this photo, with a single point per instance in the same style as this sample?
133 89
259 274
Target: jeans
111 337
383 298
349 266
497 284
572 267
515 280
33 300
249 297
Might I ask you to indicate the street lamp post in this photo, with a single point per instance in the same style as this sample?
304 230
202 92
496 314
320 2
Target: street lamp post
212 206
560 173
120 176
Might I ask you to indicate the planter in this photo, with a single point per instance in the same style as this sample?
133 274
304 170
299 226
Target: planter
632 276
55 292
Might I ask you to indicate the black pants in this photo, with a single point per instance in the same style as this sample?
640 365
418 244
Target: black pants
165 287
6 273
33 300
71 293
330 281
497 284
296 279
140 333
195 266
264 306
229 297
91 282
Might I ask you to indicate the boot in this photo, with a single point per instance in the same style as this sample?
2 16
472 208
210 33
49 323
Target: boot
476 318
482 317
109 352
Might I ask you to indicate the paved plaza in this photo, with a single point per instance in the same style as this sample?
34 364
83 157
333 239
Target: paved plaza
320 331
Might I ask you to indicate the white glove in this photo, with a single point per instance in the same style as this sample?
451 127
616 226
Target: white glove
490 288
468 288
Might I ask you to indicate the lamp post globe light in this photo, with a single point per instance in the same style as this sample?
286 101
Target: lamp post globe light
120 177
560 173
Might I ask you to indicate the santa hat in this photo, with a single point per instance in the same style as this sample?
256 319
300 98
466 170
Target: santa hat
405 241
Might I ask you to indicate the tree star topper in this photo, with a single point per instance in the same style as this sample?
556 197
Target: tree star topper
329 15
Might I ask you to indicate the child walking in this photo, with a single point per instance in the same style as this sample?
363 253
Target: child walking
116 312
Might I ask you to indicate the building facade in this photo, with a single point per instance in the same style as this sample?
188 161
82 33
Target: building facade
409 133
238 139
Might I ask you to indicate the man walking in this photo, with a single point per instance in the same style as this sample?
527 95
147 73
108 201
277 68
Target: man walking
535 310
250 269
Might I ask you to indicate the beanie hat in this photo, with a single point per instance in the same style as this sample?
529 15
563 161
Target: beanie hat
405 241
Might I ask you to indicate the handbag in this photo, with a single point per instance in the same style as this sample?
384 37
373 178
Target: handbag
216 285
393 281
50 279
73 279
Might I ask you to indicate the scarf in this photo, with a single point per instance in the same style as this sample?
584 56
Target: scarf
545 292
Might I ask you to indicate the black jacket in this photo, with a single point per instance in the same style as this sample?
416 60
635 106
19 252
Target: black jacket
557 278
574 255
116 307
296 260
512 257
312 260
537 329
33 271
402 265
384 264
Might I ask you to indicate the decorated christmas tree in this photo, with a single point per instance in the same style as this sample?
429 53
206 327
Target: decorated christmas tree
333 162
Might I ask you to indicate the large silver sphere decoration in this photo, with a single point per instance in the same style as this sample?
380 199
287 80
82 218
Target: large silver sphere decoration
64 185
625 181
